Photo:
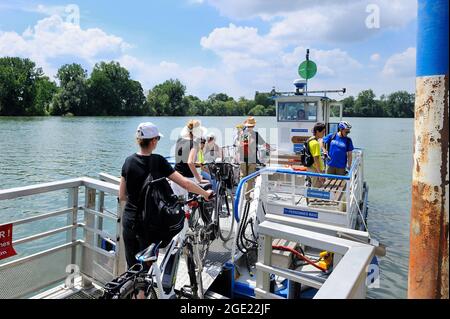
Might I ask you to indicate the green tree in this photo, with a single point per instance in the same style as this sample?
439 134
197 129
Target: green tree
45 90
264 99
349 106
258 110
72 95
112 91
166 99
401 104
365 104
18 78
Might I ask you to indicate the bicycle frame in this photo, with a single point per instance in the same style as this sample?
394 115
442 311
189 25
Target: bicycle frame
156 273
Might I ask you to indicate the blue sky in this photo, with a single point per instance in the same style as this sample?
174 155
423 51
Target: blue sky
231 46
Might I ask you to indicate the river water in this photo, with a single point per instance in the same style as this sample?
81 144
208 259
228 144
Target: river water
45 149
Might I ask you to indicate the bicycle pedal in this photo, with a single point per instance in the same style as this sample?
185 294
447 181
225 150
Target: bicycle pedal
188 292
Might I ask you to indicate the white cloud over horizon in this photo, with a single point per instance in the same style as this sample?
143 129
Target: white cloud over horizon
401 65
249 60
53 38
330 20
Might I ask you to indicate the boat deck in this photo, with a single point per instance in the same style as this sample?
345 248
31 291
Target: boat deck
219 253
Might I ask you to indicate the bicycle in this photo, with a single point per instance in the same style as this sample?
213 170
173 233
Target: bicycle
212 219
158 281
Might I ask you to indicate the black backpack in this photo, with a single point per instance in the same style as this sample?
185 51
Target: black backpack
159 209
306 157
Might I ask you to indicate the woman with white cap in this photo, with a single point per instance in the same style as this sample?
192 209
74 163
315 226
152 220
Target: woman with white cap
135 170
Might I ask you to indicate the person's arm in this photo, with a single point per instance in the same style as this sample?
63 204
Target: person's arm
350 149
317 164
191 164
262 142
349 159
189 185
122 191
322 143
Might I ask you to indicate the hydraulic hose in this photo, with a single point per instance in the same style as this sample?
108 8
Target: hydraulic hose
299 255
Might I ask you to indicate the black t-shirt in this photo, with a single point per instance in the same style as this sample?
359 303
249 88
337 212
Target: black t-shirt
182 150
136 169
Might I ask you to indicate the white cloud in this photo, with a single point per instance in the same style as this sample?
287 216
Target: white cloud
199 81
239 9
401 64
53 38
49 10
375 57
242 39
330 20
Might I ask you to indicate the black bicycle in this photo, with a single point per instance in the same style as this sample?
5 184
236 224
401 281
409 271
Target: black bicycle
157 281
215 219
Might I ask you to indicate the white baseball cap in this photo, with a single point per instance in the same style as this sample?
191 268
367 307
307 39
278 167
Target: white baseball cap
147 131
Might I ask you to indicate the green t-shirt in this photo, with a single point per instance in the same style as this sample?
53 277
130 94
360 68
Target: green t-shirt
314 148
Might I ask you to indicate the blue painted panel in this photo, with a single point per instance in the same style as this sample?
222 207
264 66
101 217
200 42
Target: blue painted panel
313 193
432 38
301 213
299 130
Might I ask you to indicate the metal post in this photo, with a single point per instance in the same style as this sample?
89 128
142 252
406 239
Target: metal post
120 265
265 258
428 263
89 220
101 209
72 219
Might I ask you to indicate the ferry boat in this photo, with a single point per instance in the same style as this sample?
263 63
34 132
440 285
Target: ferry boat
283 217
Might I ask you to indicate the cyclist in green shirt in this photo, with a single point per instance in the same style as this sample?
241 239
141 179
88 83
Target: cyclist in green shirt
315 149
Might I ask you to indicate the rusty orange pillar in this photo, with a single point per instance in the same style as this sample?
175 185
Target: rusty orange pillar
429 233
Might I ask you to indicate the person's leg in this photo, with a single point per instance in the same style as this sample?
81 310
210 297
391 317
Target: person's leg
315 182
251 183
341 171
130 241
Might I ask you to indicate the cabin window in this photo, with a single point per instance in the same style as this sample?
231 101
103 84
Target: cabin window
297 112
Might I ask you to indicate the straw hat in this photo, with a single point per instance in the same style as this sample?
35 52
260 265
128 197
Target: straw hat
251 122
194 127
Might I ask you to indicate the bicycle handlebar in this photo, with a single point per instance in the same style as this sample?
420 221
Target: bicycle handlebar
197 198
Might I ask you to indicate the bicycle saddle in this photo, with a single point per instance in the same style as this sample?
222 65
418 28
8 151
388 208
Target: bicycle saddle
149 254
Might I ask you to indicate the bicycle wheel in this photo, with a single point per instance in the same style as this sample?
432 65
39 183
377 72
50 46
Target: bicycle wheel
191 269
201 228
226 218
151 293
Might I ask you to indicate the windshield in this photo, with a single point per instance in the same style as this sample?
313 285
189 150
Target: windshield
297 111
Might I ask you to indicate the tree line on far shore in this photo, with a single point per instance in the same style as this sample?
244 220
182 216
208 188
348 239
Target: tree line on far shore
110 91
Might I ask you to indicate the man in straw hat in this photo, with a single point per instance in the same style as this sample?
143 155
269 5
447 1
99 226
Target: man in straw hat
248 150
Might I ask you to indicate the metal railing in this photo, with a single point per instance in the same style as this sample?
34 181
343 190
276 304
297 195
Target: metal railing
28 274
348 198
348 279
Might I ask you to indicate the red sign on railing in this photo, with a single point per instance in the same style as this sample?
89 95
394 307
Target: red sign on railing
6 247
